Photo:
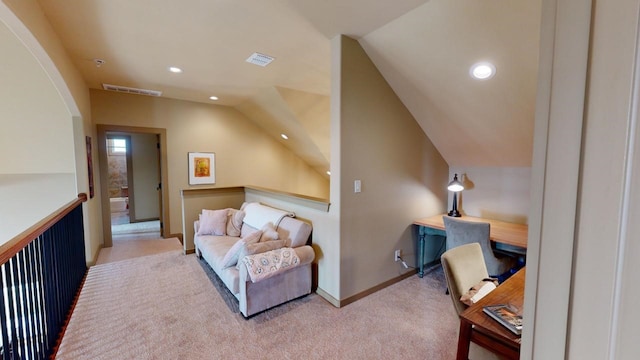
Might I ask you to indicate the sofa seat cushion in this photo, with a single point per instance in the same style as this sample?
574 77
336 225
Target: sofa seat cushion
231 278
213 249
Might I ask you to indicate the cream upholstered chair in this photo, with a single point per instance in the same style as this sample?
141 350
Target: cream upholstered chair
460 232
463 267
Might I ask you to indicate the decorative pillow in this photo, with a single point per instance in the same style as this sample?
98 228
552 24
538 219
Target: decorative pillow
260 247
478 291
269 233
231 257
213 222
234 222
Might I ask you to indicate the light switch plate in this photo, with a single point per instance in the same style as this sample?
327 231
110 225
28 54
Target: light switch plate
357 186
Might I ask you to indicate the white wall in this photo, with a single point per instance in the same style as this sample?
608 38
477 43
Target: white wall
37 165
37 130
26 19
27 199
403 175
501 193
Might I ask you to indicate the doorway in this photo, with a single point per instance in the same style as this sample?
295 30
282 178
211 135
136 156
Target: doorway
128 221
133 177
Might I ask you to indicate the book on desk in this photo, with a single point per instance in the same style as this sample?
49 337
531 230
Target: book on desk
506 315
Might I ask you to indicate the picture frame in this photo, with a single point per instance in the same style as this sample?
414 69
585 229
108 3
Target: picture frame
202 168
90 166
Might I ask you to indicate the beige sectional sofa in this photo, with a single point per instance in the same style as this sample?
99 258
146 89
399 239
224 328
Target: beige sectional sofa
262 255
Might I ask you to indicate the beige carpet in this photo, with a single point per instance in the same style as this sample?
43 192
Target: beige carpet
163 306
128 247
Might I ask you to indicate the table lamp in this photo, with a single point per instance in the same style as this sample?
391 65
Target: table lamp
455 186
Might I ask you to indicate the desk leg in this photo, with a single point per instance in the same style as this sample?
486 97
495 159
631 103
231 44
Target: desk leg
464 340
421 252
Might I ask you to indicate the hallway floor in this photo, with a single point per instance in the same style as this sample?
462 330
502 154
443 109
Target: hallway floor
132 240
131 247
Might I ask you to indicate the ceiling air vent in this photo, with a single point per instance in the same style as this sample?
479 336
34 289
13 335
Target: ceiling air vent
260 59
130 90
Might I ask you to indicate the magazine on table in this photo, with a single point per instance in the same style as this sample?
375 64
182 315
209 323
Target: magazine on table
505 315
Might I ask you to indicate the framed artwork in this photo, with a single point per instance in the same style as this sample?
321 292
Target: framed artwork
90 166
202 168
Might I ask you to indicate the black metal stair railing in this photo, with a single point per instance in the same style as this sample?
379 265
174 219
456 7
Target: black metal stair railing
41 272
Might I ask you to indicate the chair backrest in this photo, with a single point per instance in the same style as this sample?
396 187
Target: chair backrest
463 267
460 232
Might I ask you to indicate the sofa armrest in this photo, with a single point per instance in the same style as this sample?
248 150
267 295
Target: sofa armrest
305 253
196 227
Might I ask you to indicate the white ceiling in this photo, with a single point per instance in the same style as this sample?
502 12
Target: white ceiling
424 49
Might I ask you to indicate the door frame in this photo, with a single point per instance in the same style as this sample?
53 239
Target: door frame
102 131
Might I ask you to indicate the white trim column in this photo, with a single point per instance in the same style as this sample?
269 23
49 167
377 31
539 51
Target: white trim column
560 102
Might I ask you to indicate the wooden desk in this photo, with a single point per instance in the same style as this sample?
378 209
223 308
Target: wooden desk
500 232
478 327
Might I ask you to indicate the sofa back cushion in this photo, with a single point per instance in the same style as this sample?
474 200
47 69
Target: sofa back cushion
294 231
257 215
246 230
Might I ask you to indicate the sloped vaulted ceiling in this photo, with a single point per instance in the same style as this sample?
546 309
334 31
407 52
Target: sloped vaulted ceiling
426 55
302 116
424 49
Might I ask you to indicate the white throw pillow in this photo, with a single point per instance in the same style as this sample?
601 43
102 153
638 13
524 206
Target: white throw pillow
213 222
478 291
231 257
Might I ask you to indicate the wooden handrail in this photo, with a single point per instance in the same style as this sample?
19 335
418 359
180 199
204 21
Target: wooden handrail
19 242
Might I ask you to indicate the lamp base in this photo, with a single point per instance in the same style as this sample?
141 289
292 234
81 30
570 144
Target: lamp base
454 213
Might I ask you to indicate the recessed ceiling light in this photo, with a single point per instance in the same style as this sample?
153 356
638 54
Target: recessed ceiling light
174 69
213 98
284 136
482 71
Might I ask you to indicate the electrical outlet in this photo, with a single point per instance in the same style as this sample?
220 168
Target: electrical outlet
397 254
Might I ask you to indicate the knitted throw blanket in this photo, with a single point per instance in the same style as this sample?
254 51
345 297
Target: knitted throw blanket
267 264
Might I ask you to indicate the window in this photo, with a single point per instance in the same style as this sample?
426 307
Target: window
116 146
